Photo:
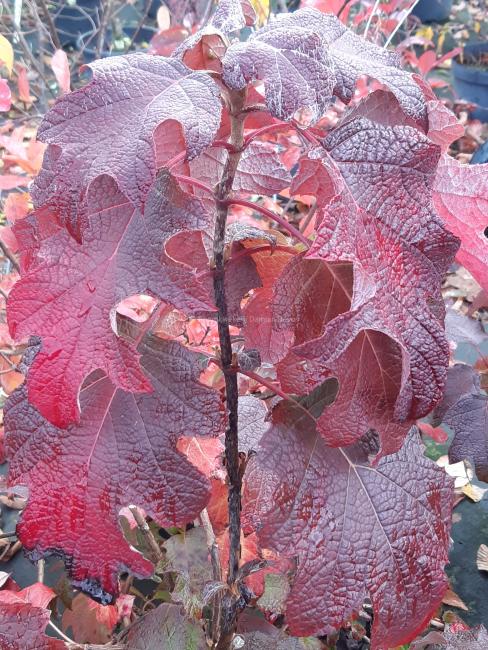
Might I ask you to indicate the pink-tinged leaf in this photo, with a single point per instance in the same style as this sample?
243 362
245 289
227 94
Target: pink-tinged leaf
121 107
22 625
60 67
438 434
370 378
11 181
461 200
68 293
207 46
306 57
89 621
16 206
5 96
166 627
205 454
37 594
123 452
358 530
23 85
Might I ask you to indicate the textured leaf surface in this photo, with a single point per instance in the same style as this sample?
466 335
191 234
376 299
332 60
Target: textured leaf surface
380 531
22 625
475 639
122 452
465 409
377 214
259 170
165 627
107 127
69 291
306 57
461 200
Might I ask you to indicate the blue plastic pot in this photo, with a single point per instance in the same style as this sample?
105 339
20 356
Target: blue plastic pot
470 80
433 11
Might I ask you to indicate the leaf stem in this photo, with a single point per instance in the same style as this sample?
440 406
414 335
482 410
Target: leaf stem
273 216
229 601
264 130
194 182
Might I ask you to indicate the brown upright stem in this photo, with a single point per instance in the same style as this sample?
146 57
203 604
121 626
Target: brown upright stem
229 611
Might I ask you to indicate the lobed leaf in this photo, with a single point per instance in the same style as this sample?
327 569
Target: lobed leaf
107 127
306 57
165 627
358 530
68 293
461 200
22 625
122 452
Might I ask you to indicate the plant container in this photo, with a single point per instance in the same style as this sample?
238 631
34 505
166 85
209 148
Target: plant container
433 11
470 78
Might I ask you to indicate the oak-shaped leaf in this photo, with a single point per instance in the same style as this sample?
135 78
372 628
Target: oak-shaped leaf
358 530
107 127
123 451
165 627
307 57
68 293
461 200
378 215
465 409
22 625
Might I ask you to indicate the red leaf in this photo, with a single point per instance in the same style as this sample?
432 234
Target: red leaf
60 67
71 309
306 57
127 99
37 594
22 625
205 48
383 222
90 621
358 530
5 96
122 452
461 200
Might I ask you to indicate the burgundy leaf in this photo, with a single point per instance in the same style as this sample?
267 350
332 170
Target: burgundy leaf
22 625
465 409
122 452
378 215
68 293
259 171
461 380
358 530
461 200
306 57
107 127
252 423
